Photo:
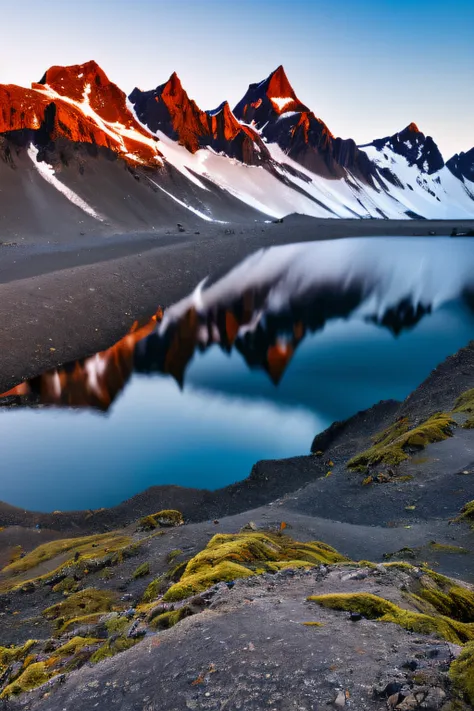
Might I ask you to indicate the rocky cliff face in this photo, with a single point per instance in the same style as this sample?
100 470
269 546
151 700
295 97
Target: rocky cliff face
169 109
80 104
462 165
412 144
274 109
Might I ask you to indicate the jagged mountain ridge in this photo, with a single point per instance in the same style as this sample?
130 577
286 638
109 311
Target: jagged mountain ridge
90 145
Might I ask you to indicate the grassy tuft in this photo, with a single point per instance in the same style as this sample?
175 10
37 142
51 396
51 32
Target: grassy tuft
86 602
228 557
390 446
166 518
142 571
375 607
462 673
170 618
111 648
32 677
467 513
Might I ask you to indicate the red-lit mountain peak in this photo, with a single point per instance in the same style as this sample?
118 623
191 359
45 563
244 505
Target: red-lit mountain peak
281 93
88 84
89 108
412 128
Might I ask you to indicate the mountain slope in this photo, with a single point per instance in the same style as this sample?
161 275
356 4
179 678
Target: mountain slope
77 156
412 144
169 109
273 107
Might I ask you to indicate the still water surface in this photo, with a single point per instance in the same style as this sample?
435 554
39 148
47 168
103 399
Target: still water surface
233 376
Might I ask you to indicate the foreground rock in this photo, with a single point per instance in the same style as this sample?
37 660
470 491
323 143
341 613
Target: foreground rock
248 620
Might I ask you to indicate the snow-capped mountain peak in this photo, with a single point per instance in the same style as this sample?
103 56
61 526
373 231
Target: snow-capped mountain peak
412 144
100 157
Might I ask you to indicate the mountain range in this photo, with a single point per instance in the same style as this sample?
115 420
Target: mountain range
76 153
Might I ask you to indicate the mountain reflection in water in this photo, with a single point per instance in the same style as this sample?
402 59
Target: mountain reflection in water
285 293
358 320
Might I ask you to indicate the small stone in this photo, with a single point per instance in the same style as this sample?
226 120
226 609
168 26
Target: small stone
408 704
434 699
355 616
340 700
393 700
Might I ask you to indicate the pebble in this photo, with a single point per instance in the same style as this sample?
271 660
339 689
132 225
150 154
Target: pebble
340 700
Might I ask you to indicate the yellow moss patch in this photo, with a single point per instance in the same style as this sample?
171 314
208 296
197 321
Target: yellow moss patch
75 645
85 548
141 571
167 517
154 589
33 676
375 607
467 513
85 602
390 445
446 548
462 673
78 622
465 402
14 654
228 557
170 618
66 586
111 648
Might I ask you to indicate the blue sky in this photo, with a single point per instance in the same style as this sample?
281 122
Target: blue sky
366 68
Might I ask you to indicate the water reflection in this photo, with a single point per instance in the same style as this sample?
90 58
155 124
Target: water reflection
249 367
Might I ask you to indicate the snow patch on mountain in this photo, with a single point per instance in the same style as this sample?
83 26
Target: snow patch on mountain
47 172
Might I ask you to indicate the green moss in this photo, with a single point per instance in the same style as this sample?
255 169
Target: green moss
111 648
445 548
142 571
75 645
465 403
227 557
462 673
82 620
86 547
86 602
170 618
374 607
313 624
155 588
8 655
173 554
469 424
117 625
33 676
198 582
467 513
66 586
390 446
176 572
147 523
167 517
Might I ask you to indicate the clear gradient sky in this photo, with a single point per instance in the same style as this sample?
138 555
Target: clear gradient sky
366 67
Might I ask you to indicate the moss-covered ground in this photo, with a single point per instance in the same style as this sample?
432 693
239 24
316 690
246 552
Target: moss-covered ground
392 446
228 557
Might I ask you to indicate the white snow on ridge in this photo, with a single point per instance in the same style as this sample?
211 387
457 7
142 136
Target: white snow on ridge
200 214
47 172
280 101
254 185
438 196
115 130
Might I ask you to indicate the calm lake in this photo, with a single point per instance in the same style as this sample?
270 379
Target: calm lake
248 368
